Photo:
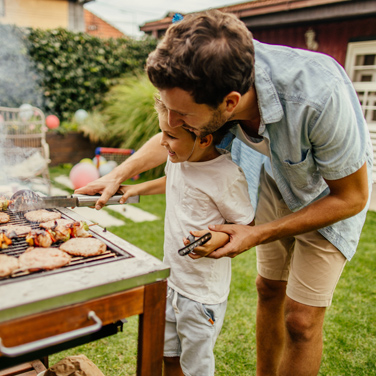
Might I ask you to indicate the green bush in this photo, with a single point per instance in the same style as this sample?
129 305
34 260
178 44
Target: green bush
78 69
127 118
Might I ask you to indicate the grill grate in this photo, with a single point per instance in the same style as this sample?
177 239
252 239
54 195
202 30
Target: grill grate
19 246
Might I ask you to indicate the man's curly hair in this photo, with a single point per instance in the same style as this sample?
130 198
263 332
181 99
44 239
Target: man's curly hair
207 54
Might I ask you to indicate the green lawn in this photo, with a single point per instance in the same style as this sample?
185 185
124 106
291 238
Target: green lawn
349 330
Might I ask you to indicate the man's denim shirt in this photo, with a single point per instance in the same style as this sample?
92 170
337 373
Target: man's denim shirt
313 124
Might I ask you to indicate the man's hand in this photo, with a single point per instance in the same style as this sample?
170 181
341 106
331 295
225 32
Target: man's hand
241 238
217 240
107 186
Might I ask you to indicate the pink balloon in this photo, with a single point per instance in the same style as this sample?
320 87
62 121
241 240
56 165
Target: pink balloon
82 174
52 121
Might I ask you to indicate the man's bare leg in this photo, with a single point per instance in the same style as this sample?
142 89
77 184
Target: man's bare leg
288 333
172 366
270 328
303 340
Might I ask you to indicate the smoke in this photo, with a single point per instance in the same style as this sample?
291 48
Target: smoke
19 87
21 148
19 82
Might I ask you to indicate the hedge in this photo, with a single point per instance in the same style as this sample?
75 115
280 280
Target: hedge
74 70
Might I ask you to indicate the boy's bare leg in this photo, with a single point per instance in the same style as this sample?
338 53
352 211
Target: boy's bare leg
270 328
172 366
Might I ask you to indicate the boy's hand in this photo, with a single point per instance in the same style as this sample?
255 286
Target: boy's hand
128 191
219 239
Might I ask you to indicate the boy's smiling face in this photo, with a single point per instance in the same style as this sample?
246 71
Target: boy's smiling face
178 142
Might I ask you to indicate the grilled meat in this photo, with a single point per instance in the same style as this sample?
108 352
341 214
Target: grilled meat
4 217
35 259
13 231
8 264
40 238
84 247
42 215
63 229
57 222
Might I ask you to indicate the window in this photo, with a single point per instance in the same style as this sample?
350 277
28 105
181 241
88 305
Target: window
2 8
361 68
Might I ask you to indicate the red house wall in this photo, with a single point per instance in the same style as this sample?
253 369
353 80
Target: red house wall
332 37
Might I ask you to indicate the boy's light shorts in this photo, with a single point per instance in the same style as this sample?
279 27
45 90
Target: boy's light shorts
309 263
191 331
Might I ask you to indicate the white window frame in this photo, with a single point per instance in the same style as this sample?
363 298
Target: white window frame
364 48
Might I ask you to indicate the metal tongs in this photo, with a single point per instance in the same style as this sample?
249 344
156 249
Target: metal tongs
26 199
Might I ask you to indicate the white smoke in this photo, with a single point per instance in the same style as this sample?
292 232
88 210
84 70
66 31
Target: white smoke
19 87
19 82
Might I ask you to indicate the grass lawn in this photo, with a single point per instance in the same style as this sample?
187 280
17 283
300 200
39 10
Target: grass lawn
349 329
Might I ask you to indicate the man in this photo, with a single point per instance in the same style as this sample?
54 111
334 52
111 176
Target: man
299 127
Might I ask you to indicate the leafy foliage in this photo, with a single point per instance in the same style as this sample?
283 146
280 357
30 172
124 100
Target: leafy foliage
78 69
127 118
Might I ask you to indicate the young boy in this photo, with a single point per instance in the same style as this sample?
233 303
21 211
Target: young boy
203 186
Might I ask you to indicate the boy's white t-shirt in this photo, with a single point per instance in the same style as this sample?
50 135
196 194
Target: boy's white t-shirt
199 194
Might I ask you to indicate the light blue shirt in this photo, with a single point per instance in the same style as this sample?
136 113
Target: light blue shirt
314 127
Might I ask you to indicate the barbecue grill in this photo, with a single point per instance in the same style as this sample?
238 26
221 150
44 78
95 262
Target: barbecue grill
45 312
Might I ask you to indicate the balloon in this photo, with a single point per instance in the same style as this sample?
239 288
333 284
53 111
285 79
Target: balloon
26 111
106 168
112 163
82 174
99 160
80 115
52 121
86 160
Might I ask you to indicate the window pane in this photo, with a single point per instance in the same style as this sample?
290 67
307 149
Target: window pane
369 60
366 78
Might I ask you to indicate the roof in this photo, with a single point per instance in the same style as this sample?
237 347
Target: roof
266 6
97 26
256 8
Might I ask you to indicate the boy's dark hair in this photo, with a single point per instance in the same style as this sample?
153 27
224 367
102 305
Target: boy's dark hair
207 54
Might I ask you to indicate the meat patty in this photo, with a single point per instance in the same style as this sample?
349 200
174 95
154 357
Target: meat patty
4 218
56 222
84 247
16 230
43 259
42 215
8 264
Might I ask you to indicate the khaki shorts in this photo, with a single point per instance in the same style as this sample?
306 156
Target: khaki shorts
309 263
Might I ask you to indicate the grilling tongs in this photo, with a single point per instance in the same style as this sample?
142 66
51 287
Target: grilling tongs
26 199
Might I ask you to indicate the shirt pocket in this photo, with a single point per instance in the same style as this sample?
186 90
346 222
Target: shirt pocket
195 204
303 174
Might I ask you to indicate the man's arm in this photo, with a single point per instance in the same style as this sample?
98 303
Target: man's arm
150 155
348 196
